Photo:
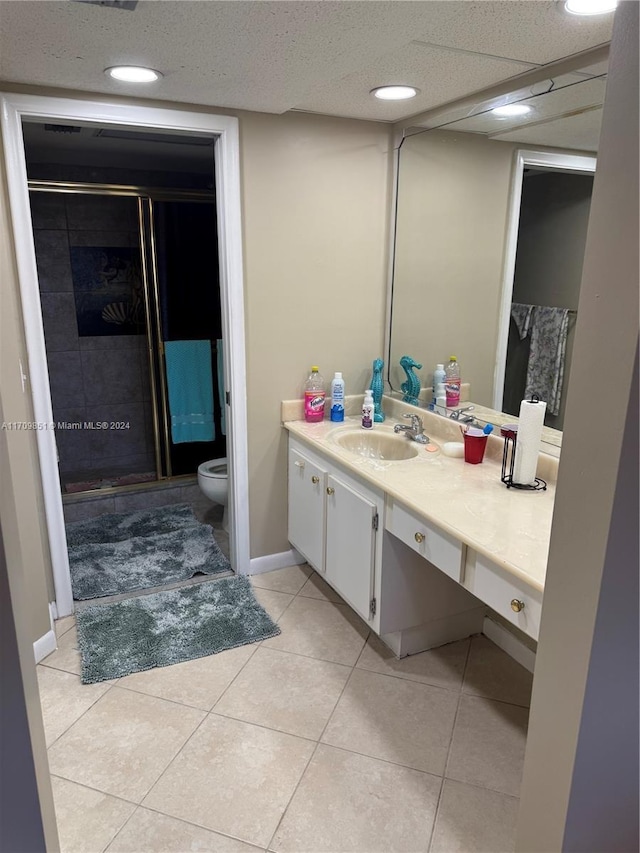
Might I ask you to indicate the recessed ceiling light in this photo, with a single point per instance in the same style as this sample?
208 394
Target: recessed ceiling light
508 110
394 93
133 73
590 7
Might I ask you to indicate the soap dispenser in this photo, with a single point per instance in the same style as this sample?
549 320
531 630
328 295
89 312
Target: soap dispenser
367 410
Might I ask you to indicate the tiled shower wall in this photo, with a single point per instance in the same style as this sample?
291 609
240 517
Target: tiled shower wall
101 378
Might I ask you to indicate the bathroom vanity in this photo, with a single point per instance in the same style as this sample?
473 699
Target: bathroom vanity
417 543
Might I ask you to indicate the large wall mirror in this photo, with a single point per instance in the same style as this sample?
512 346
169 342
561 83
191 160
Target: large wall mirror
492 213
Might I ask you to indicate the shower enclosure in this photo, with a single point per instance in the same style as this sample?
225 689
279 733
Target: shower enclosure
123 270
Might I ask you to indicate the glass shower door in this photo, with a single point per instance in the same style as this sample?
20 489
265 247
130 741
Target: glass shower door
92 281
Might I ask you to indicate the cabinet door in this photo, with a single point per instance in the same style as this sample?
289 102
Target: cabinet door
350 551
307 484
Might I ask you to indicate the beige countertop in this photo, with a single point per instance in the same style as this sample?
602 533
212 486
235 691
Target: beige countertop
510 527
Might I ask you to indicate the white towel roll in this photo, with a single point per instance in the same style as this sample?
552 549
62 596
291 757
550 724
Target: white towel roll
528 442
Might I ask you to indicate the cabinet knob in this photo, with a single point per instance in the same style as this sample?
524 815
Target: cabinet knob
517 605
299 464
330 491
315 480
419 537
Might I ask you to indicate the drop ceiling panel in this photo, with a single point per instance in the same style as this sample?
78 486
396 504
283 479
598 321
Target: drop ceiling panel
596 70
441 75
535 31
581 132
249 55
273 56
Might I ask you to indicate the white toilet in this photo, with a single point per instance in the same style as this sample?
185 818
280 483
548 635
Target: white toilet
213 480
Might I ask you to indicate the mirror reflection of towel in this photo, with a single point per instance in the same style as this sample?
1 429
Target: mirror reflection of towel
545 371
521 315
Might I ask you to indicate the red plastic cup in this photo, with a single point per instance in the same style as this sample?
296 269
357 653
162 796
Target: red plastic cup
474 446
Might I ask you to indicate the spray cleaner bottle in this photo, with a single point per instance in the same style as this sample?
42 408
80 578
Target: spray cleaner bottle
314 395
337 398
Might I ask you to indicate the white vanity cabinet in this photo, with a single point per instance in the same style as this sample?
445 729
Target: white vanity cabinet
350 551
416 583
411 598
307 488
334 523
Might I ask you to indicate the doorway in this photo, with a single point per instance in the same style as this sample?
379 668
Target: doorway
552 234
149 317
550 192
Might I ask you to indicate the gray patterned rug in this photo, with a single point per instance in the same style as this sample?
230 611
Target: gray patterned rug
120 553
169 627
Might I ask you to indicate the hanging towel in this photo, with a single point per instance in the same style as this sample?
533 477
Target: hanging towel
221 394
521 315
190 384
545 371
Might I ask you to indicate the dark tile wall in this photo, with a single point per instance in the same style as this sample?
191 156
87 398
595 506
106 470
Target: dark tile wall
92 378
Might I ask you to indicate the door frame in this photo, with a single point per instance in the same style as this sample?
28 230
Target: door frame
224 129
550 161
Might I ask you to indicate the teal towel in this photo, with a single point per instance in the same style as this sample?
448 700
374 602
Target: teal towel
221 394
190 384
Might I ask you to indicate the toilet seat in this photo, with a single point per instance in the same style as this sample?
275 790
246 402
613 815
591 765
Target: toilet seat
213 479
215 470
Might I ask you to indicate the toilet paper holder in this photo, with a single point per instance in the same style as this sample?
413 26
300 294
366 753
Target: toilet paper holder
510 434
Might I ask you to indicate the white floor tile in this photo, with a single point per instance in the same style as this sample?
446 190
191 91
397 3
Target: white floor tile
233 778
123 743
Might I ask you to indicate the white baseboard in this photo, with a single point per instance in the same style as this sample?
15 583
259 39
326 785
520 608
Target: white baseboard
270 562
509 644
49 642
45 645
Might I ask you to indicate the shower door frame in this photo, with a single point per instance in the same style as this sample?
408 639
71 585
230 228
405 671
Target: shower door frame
224 130
145 198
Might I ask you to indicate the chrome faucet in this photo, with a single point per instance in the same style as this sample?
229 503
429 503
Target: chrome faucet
415 431
458 415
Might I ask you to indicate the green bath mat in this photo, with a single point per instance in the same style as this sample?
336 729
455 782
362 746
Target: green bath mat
169 627
116 527
120 553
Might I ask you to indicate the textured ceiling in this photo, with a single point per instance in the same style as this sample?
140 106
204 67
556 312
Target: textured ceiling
577 95
268 56
581 131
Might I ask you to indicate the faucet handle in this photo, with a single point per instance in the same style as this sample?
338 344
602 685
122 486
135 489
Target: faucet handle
416 421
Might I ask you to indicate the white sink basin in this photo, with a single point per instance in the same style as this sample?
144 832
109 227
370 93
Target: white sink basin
377 445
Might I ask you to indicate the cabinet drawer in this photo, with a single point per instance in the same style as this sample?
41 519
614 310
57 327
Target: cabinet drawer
498 588
426 539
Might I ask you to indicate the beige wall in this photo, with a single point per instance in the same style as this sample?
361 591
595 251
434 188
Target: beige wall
28 817
316 196
21 505
580 785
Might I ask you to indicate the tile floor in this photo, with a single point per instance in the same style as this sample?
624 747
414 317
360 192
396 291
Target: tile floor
315 741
